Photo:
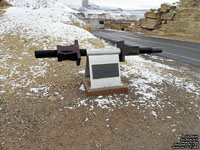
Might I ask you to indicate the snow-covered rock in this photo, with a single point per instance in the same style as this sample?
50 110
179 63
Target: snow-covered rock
42 20
36 4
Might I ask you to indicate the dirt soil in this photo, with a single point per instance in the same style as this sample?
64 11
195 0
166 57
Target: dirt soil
41 108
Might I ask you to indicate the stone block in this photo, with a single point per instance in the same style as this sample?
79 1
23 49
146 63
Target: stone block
151 24
165 8
137 24
153 15
168 16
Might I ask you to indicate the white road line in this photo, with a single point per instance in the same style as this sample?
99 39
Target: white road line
164 51
167 52
181 56
198 49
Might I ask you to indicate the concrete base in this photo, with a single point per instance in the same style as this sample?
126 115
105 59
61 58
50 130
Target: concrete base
104 91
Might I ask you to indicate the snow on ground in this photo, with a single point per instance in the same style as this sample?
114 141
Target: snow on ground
36 24
148 83
44 25
14 76
36 4
155 74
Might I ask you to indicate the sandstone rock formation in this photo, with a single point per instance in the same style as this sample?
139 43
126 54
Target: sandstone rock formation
189 4
185 22
155 18
171 20
150 23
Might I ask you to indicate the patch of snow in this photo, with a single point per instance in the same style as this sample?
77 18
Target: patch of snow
1 92
86 119
100 96
169 117
59 95
103 103
147 78
39 71
160 58
36 4
82 72
82 88
2 77
44 25
36 90
4 58
108 103
82 103
173 130
148 81
173 125
69 108
154 114
107 119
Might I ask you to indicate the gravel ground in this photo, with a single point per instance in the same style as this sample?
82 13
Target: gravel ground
43 105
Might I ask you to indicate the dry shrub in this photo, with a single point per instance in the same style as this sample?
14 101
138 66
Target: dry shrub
77 24
87 27
1 12
4 4
96 42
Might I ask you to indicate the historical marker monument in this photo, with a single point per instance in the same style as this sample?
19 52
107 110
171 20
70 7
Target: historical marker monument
102 75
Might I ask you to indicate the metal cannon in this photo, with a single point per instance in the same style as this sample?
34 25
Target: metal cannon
73 52
102 65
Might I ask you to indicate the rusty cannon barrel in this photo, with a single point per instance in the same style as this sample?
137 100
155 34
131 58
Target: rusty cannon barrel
53 53
127 50
73 52
63 53
150 50
46 54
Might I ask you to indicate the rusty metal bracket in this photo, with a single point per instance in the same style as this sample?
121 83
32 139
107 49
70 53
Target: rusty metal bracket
69 53
127 50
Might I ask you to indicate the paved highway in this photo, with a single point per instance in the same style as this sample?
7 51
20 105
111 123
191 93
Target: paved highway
187 52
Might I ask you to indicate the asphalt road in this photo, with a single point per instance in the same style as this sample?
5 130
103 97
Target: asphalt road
187 52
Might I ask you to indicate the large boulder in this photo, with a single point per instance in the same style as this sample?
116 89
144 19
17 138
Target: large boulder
151 24
137 23
168 16
172 21
153 15
165 8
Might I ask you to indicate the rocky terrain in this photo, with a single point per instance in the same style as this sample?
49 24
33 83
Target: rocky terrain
189 4
182 20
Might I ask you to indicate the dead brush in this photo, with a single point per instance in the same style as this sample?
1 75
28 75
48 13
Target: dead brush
85 27
4 4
